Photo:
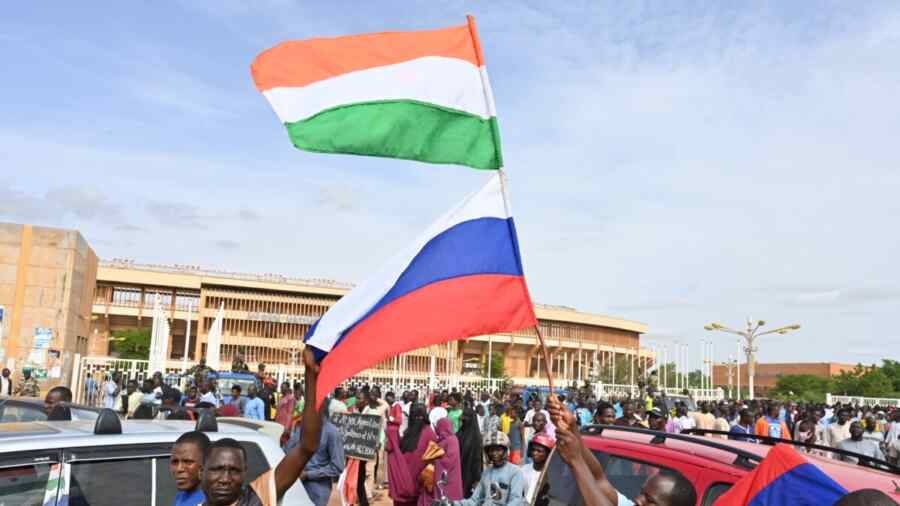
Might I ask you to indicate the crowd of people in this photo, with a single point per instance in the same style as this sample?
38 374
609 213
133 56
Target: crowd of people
494 444
489 447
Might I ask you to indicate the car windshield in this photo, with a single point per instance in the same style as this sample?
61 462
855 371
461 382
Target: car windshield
626 475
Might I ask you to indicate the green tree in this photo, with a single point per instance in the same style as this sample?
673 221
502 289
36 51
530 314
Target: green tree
848 382
805 387
498 370
875 383
892 369
131 344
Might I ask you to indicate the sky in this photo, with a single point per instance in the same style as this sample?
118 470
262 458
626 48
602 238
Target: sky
673 163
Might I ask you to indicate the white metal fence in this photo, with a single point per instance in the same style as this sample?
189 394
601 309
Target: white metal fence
861 401
90 374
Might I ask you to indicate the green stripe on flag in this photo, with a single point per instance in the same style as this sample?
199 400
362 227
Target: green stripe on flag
404 129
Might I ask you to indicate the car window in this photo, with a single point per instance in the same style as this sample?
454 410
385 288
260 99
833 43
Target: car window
165 485
24 485
111 482
13 413
25 478
713 492
626 475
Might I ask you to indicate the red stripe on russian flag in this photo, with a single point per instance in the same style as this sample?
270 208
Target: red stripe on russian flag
437 313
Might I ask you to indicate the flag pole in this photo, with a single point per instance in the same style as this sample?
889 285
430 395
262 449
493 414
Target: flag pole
546 352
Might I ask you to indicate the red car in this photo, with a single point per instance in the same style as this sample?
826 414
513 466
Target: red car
631 455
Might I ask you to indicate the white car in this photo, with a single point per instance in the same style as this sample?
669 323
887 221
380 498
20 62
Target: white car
50 463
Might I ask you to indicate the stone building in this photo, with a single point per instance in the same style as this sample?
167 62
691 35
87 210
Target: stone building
47 280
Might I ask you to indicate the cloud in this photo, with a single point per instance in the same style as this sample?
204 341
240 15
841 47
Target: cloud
337 197
177 215
248 215
655 305
226 244
84 202
129 228
81 202
846 296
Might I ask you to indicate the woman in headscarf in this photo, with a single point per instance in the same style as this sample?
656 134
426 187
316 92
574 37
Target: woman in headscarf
402 486
471 455
412 446
448 463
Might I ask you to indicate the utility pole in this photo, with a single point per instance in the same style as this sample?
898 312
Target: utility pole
750 337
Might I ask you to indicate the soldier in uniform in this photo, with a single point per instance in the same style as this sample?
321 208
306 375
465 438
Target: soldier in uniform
28 387
199 372
238 364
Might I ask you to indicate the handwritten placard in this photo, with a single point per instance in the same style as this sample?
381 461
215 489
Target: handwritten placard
361 434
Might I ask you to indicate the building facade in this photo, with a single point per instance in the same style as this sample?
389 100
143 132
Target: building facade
266 317
47 281
767 374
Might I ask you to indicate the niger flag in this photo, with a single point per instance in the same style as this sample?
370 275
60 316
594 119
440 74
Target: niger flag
413 95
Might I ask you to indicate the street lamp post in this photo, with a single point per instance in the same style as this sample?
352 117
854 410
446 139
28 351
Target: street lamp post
750 337
729 366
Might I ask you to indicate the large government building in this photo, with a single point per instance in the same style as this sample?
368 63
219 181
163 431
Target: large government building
60 301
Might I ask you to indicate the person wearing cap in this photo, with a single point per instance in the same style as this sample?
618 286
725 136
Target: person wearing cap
502 483
657 419
538 451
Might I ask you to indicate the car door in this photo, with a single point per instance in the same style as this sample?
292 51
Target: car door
30 478
115 475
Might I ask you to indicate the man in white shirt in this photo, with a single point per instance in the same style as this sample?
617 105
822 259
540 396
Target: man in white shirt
111 390
337 404
682 420
538 452
839 430
858 444
207 395
528 422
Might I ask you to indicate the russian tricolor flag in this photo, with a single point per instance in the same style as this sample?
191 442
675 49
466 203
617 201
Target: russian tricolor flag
783 478
463 277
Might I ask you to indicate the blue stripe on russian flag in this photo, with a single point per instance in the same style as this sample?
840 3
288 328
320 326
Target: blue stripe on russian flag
804 485
479 246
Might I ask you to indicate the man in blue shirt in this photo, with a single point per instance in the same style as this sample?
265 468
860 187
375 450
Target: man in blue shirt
744 427
325 466
185 465
255 408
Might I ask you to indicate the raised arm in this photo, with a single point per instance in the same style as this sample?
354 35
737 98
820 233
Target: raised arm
292 464
571 447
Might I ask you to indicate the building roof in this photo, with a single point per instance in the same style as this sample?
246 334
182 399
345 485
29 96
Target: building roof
193 277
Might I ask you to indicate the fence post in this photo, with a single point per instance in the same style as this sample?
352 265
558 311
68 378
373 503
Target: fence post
75 382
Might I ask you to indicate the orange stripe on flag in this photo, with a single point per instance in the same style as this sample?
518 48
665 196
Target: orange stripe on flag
302 62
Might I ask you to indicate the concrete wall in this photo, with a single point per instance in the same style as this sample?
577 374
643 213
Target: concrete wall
767 374
47 281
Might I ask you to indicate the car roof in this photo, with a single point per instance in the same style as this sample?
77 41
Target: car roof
19 436
850 476
39 403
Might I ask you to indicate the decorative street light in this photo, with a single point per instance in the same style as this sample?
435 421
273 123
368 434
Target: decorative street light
729 366
750 336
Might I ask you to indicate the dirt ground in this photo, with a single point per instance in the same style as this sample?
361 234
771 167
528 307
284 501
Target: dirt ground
381 500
